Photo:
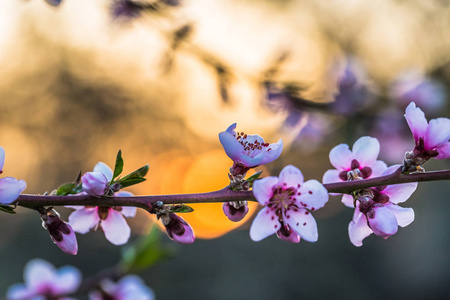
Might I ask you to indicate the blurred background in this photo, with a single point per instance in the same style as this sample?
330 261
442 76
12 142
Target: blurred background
160 80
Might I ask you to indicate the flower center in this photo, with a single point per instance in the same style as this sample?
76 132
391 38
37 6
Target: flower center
283 200
251 149
364 172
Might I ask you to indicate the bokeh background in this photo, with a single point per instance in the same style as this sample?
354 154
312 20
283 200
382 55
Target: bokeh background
161 79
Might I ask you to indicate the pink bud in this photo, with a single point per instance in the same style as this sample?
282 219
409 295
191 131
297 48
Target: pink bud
178 229
94 183
60 232
235 211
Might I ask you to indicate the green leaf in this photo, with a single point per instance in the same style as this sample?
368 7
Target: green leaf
141 172
181 208
254 177
145 252
7 209
118 168
130 181
66 188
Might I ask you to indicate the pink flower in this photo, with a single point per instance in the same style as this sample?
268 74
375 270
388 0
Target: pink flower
60 232
363 159
380 213
96 183
288 202
42 279
177 228
130 287
10 188
432 139
248 150
110 219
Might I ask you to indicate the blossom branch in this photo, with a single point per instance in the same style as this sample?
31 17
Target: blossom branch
223 195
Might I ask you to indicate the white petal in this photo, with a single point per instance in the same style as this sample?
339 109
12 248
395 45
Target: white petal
399 193
18 292
104 169
404 215
444 151
378 168
331 176
132 287
2 158
384 223
37 273
341 157
84 219
366 150
304 224
438 133
10 189
313 194
116 228
265 224
290 176
68 280
128 211
416 121
348 200
358 229
263 189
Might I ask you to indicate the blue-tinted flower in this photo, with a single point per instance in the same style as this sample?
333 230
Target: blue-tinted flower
130 287
10 188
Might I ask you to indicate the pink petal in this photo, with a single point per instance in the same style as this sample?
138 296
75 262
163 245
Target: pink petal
404 215
399 193
104 169
84 219
2 158
69 242
304 224
133 287
358 229
263 189
10 189
384 223
341 157
313 194
123 194
265 224
116 228
348 201
331 176
94 183
67 281
128 211
38 273
231 146
416 121
290 176
366 150
19 292
273 153
378 168
444 151
438 133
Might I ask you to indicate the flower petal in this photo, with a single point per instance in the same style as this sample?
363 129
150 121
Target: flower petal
331 176
132 287
272 152
341 157
399 193
128 211
438 133
348 201
384 223
69 242
444 151
263 189
404 215
378 168
358 229
67 281
290 176
416 121
265 224
304 224
18 292
38 273
10 189
366 150
231 146
94 183
116 228
104 169
84 219
2 158
313 195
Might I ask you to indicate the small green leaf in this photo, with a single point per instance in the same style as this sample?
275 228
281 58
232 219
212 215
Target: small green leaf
118 168
141 172
181 208
7 209
145 252
78 180
254 177
66 189
125 182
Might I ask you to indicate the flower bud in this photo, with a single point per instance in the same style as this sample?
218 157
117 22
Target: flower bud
288 235
236 210
177 228
60 232
94 183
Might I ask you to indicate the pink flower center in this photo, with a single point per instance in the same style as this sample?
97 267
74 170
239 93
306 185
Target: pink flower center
365 172
282 201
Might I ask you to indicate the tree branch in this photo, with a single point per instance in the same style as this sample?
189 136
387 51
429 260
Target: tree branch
223 195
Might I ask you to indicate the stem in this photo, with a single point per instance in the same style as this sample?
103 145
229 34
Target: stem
223 195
